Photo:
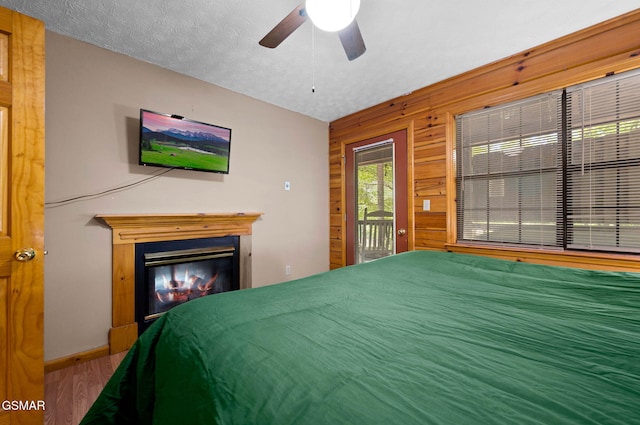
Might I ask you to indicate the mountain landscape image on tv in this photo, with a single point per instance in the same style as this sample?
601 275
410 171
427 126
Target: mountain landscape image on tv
175 142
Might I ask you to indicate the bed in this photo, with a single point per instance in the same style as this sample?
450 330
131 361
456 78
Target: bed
416 338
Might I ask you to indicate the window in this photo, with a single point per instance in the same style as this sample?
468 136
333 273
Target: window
509 174
603 164
558 170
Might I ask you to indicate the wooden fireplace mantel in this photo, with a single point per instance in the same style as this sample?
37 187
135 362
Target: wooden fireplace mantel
131 229
138 228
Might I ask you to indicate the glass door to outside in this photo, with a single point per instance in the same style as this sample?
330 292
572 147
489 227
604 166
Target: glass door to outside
377 170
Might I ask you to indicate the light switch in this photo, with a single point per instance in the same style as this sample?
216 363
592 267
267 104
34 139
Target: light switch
287 185
426 205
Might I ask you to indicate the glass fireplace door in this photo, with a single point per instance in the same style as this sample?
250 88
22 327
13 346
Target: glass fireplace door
175 277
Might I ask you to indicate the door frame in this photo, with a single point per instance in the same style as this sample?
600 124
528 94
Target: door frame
371 136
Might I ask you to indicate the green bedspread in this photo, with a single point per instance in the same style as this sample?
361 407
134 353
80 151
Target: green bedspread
417 338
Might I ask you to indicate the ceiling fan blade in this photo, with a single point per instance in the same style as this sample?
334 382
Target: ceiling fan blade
285 27
352 41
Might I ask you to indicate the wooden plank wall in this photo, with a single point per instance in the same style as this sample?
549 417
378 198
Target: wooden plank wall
429 115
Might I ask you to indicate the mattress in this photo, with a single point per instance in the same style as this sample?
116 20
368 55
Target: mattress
422 337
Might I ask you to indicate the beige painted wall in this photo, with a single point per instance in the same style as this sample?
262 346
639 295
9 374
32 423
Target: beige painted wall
93 98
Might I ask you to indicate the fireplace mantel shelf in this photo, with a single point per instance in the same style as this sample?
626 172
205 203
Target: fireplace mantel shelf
138 228
131 229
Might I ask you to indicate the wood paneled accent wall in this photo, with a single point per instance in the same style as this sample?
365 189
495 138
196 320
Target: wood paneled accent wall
429 115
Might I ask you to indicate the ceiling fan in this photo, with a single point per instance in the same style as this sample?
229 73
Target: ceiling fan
329 15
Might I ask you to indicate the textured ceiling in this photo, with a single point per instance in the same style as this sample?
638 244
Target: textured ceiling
410 43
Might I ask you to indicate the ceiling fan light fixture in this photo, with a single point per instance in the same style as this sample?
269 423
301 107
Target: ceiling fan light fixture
332 15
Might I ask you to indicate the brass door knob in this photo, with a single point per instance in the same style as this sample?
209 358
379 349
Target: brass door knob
24 255
402 232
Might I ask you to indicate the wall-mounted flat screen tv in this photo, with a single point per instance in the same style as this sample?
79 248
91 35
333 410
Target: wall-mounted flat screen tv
175 142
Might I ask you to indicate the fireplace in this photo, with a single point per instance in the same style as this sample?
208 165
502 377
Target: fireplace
171 273
129 231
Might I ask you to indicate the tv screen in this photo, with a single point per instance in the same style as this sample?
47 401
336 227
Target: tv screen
175 142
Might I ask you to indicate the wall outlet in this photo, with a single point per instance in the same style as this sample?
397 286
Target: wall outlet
287 270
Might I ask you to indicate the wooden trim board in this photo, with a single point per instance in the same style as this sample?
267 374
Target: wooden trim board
74 359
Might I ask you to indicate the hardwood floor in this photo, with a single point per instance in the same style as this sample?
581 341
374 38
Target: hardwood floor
69 392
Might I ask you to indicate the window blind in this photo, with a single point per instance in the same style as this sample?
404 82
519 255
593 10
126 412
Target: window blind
603 164
509 173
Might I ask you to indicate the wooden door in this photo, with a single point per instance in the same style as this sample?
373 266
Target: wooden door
396 145
21 218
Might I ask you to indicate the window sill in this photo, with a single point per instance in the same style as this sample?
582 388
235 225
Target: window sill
584 260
